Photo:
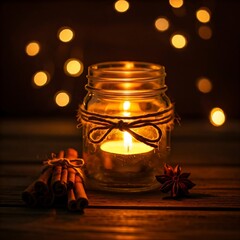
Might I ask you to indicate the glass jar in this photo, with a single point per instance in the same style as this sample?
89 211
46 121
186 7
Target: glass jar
126 118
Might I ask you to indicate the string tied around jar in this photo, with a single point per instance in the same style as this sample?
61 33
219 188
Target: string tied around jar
109 123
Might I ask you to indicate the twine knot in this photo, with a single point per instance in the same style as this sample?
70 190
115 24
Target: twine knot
76 163
121 125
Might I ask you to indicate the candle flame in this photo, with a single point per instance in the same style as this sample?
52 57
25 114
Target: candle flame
127 141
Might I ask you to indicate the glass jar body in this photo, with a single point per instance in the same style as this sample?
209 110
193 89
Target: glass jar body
126 119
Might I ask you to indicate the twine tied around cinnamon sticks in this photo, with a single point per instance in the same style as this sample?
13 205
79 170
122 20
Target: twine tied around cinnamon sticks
66 162
61 180
123 123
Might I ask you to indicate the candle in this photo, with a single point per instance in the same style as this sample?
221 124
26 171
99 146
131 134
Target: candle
125 155
117 147
123 159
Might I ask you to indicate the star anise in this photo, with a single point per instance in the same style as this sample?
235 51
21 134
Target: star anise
175 181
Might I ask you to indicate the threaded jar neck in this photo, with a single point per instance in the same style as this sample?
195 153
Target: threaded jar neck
126 77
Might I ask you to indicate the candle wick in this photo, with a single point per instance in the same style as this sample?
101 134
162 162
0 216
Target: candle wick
128 148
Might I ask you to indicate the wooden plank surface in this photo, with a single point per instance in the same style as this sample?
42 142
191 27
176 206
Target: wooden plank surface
123 224
212 211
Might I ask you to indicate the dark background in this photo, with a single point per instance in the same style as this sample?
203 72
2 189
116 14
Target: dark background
103 34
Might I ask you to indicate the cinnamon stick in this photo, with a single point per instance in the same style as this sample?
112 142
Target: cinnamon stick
41 184
58 188
71 154
71 178
29 195
72 203
64 175
80 194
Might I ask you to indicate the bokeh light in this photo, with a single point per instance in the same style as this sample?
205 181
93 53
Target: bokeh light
65 34
32 48
217 117
203 15
121 6
162 24
62 99
41 78
205 32
178 41
176 3
204 85
73 67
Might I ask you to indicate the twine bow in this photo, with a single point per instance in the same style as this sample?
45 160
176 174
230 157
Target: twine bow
66 162
124 126
149 120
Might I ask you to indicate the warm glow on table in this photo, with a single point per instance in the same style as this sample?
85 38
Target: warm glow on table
118 147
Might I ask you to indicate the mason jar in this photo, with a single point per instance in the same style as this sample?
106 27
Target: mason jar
126 120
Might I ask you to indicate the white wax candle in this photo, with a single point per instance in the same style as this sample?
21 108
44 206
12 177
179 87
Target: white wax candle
118 147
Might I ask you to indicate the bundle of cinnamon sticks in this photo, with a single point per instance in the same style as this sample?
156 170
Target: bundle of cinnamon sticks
58 182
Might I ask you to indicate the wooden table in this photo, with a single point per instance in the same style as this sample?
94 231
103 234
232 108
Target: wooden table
212 211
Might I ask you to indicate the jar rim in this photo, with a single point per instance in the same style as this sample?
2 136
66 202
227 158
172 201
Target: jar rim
132 69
